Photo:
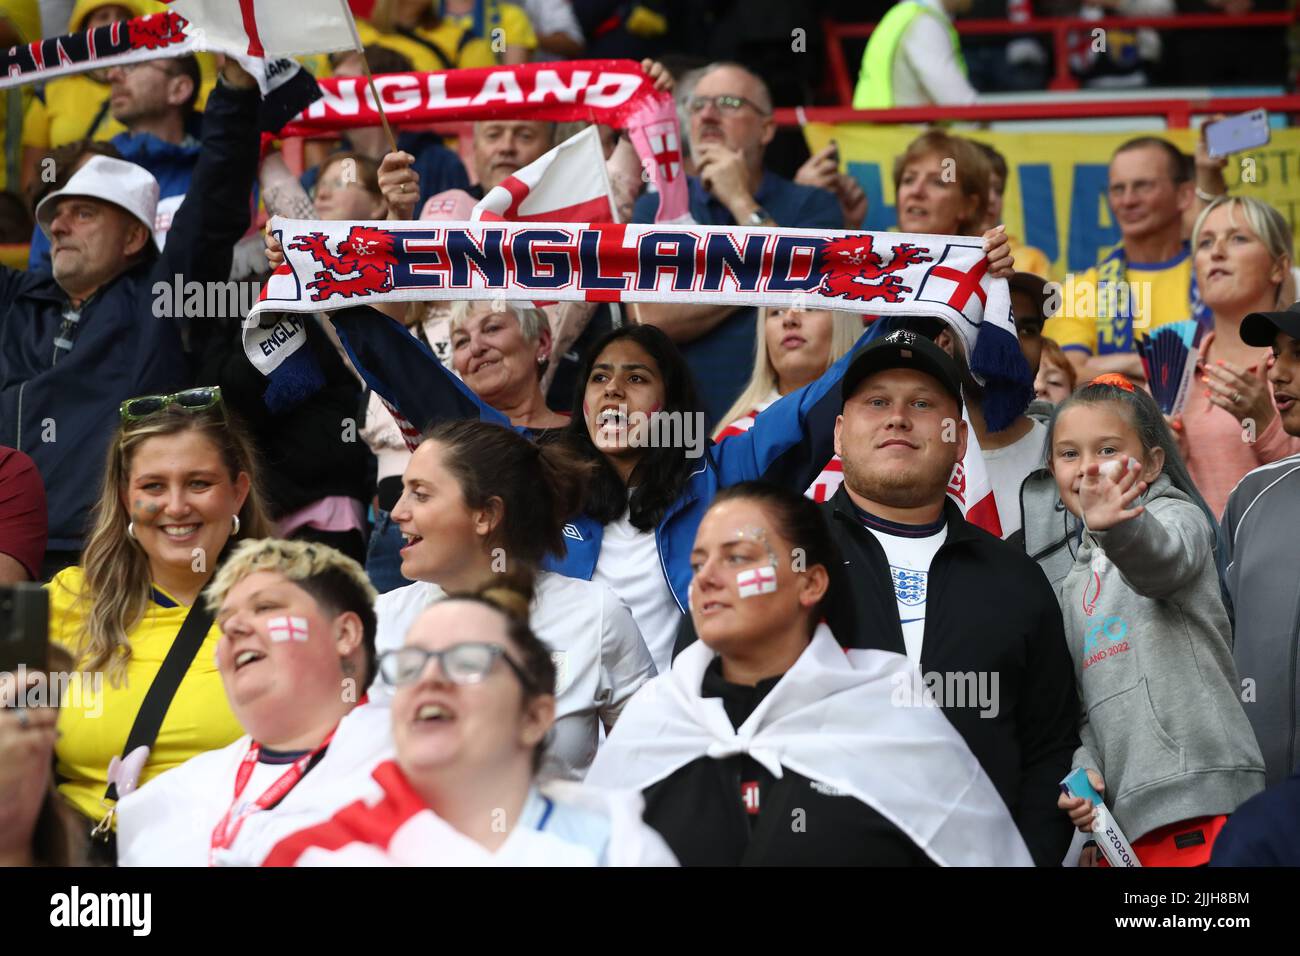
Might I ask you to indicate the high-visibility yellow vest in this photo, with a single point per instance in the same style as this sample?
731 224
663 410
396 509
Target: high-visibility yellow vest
875 90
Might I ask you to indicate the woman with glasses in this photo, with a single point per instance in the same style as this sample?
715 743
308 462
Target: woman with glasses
479 499
296 656
769 744
474 703
179 485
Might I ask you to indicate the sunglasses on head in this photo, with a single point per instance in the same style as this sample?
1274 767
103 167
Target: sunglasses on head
190 400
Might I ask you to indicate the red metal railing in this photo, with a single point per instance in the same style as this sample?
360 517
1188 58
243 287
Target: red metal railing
1059 28
1177 112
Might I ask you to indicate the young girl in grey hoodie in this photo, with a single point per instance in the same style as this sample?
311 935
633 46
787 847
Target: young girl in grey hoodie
1164 737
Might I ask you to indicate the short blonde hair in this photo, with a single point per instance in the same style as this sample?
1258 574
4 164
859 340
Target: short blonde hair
1271 228
336 581
531 321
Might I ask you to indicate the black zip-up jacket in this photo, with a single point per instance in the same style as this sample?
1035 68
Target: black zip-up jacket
989 610
733 812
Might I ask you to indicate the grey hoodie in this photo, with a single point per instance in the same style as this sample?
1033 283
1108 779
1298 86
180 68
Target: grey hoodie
1152 650
1257 551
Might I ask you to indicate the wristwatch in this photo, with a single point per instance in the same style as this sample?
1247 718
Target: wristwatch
760 217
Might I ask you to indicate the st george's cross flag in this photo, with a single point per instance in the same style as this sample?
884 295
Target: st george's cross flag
269 28
566 184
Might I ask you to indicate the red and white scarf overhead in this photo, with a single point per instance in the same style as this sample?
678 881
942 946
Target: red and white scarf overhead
215 28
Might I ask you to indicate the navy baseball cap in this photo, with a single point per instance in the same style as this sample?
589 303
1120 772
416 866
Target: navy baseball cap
902 348
1261 328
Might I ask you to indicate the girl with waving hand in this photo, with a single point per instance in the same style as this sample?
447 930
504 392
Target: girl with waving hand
1163 735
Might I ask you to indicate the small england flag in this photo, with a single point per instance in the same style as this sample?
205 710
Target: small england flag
287 629
757 581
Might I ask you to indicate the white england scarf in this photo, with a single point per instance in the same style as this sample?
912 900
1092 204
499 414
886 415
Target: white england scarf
331 265
835 717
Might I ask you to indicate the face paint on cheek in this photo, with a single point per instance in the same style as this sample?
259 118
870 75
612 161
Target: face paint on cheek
756 582
285 629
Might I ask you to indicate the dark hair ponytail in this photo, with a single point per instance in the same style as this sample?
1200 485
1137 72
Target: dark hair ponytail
540 487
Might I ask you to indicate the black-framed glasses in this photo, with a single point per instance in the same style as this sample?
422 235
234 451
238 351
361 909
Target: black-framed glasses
190 400
726 103
467 663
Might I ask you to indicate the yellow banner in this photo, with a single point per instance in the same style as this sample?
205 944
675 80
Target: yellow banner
1056 190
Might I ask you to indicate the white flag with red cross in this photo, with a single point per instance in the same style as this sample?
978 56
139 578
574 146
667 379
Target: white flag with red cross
971 488
566 184
269 28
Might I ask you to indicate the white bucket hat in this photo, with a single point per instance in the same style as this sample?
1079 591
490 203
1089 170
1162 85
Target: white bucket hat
125 185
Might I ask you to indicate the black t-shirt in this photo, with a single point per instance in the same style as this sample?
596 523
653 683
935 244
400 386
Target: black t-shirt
733 811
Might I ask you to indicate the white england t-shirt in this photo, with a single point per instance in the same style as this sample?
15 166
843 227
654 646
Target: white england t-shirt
629 564
909 549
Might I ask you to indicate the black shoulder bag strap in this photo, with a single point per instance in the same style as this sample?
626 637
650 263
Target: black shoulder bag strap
429 45
99 118
149 719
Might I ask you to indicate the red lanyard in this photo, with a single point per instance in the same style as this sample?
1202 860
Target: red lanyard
226 831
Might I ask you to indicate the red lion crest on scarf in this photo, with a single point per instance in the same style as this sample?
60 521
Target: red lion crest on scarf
155 32
852 269
363 265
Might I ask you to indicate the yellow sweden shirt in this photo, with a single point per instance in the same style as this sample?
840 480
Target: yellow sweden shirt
516 28
94 730
1084 324
446 37
68 114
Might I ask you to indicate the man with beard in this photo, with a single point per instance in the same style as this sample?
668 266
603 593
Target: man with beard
974 613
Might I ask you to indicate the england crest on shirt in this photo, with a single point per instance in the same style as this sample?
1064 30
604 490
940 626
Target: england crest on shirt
909 585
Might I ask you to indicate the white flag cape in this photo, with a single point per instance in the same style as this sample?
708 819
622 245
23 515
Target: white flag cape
379 820
845 719
169 821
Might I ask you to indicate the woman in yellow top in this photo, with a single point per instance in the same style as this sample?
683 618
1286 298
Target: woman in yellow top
431 42
179 486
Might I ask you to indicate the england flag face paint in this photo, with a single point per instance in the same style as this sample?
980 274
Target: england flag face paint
756 581
285 629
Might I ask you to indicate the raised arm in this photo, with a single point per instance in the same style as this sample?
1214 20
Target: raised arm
215 213
793 439
405 372
1159 555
